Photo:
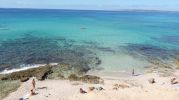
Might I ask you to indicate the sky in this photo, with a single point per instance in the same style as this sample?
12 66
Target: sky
169 5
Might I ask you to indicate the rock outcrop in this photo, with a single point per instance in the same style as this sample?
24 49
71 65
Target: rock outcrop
40 73
151 80
174 81
86 79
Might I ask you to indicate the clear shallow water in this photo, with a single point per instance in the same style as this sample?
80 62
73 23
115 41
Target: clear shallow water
158 30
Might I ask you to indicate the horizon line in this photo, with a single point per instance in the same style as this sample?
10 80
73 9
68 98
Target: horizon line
140 10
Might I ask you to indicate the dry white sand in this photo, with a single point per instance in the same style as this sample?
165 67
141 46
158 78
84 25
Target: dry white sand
140 89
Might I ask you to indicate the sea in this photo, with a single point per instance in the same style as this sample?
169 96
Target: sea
122 40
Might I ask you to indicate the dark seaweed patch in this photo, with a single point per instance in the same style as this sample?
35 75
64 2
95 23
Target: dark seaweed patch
158 57
106 49
150 52
172 39
35 50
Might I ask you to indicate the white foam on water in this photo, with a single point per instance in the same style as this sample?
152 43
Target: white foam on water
24 67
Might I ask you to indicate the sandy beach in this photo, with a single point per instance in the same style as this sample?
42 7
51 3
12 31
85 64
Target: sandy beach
129 88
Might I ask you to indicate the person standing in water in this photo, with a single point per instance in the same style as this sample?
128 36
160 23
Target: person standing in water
133 72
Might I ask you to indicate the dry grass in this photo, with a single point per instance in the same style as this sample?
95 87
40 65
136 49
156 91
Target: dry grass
7 87
177 64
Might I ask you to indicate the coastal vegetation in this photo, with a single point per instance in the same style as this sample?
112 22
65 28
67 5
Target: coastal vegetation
7 87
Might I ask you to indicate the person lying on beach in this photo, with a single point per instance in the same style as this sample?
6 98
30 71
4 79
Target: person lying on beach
82 91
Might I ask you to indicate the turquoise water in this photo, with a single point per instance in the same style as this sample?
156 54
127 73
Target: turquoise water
111 29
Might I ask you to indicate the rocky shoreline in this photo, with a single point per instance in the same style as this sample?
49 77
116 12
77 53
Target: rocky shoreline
48 72
51 72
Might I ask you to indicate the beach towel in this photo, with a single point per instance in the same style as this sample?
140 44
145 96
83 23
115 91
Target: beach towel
25 97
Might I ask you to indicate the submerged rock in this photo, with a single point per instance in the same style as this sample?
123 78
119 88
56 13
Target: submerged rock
158 56
148 51
72 58
172 39
42 50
